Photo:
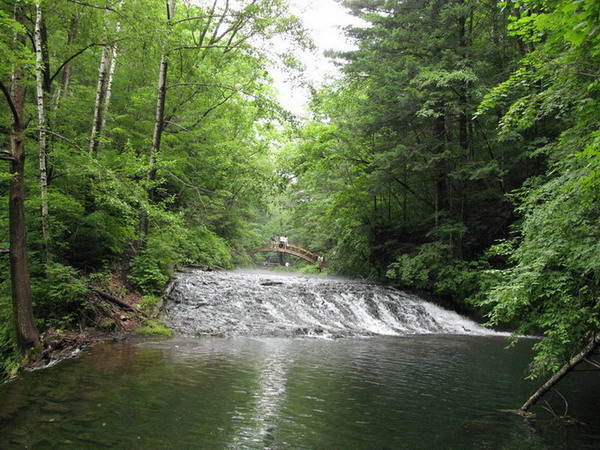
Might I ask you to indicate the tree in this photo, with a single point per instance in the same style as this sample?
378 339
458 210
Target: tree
42 87
421 178
222 33
27 335
108 62
552 281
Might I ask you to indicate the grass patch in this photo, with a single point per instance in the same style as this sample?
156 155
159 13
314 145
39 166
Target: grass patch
153 327
151 304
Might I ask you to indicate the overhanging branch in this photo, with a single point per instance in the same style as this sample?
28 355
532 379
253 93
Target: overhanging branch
197 188
11 104
45 130
6 156
72 57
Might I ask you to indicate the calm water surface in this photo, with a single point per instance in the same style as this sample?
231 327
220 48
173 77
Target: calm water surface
296 362
438 391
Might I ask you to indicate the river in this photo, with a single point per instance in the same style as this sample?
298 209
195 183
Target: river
272 361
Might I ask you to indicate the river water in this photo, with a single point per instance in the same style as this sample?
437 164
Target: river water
272 361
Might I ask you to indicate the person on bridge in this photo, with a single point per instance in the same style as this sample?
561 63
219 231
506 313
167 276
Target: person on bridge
283 241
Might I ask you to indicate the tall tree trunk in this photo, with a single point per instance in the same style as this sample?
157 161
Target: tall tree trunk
68 69
441 181
109 82
159 116
106 73
159 123
43 150
111 75
100 96
26 332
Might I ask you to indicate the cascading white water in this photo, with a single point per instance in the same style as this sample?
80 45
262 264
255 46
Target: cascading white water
271 304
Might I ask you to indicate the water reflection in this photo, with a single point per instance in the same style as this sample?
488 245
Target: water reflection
411 392
256 423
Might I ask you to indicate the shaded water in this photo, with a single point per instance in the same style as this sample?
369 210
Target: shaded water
396 391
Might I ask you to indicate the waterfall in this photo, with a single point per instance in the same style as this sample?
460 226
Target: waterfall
271 304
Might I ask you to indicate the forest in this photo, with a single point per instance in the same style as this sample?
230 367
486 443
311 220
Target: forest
457 154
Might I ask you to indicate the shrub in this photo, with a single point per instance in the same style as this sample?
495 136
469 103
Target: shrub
59 295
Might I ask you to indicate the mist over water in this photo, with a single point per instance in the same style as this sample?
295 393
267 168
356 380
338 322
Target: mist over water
266 304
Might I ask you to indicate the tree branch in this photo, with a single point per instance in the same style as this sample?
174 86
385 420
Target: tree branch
219 86
197 188
6 156
119 302
71 58
187 19
212 39
11 104
198 47
582 355
409 189
205 30
91 5
177 125
592 362
45 130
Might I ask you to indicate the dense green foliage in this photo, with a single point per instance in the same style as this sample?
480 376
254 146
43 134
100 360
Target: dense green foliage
203 186
552 283
409 176
459 155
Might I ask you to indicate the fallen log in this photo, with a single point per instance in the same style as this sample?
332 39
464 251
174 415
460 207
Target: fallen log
579 357
119 302
169 288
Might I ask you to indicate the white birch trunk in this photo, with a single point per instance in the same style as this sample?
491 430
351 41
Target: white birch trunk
111 75
43 150
159 118
100 96
161 96
109 82
104 90
63 87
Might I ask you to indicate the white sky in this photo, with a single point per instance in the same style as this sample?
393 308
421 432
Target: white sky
324 20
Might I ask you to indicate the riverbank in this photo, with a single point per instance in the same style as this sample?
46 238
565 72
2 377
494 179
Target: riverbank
111 312
61 345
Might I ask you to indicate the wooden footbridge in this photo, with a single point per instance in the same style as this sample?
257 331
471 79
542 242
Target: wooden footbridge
294 250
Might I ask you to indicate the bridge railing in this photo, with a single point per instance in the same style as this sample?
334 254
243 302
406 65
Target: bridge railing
307 255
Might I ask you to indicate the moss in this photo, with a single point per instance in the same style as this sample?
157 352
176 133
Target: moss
150 304
108 325
152 327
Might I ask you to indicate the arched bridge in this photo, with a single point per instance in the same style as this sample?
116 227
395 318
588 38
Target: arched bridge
291 249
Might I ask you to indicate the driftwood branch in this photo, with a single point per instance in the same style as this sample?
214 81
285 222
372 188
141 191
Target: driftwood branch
169 288
579 357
